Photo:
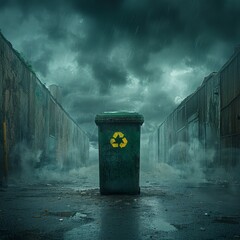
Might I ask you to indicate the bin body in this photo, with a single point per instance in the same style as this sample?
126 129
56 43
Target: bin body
119 152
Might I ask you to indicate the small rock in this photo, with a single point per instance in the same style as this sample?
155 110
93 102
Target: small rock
60 219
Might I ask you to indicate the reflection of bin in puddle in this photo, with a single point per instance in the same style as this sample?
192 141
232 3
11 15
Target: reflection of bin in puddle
119 151
121 222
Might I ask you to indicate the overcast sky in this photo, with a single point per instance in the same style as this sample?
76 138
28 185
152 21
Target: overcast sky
140 55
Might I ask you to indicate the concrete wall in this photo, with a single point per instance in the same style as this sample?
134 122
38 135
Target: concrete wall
230 111
38 130
206 123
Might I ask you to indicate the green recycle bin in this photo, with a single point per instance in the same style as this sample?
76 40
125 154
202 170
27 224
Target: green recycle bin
119 152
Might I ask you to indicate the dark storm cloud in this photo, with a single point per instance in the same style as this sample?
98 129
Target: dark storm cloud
85 107
136 19
3 3
145 20
38 54
157 23
157 106
150 26
149 52
108 74
42 63
146 28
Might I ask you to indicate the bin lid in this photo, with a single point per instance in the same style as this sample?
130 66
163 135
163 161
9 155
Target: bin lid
119 117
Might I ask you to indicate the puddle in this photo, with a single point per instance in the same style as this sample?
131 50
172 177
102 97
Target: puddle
88 231
59 214
159 224
226 219
156 221
180 226
26 235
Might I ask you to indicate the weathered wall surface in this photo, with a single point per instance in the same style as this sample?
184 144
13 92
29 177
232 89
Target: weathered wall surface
230 111
38 130
206 124
153 146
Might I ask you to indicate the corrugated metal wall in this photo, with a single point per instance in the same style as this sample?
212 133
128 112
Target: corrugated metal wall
38 130
207 120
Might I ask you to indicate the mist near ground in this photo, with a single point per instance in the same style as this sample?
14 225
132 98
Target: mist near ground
193 171
199 165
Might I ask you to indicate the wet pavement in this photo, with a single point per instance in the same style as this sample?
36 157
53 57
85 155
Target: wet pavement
164 210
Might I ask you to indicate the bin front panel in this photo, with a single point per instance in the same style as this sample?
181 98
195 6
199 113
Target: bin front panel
119 153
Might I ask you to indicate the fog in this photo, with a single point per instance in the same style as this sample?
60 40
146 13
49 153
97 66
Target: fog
34 170
194 170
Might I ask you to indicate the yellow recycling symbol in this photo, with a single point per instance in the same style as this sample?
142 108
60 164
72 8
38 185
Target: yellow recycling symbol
115 144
